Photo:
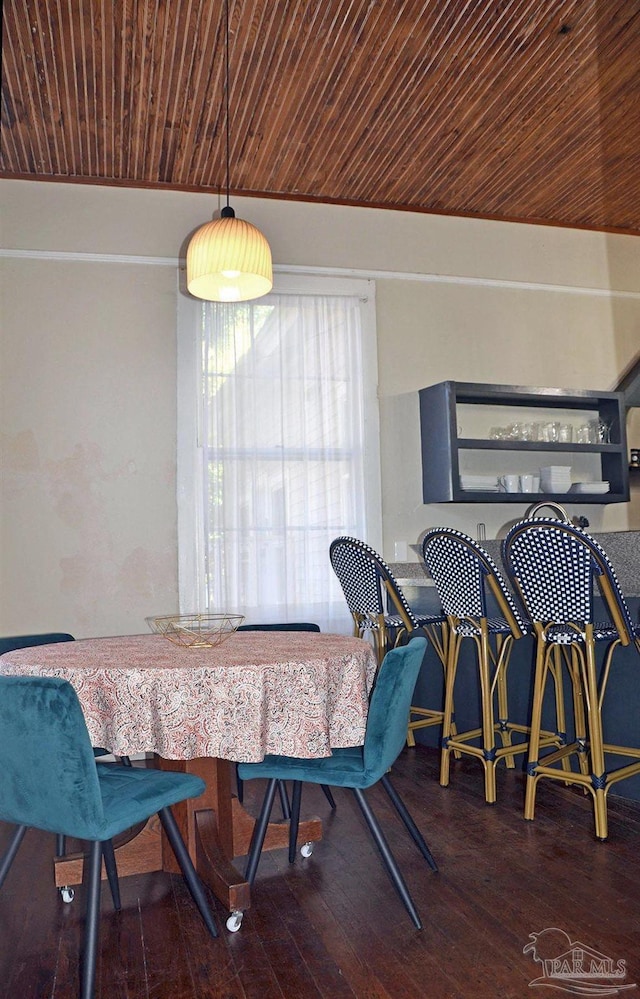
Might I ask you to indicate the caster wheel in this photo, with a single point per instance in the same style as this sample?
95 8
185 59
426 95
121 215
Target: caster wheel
68 894
306 849
234 922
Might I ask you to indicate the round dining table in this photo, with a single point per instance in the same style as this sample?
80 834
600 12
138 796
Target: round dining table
298 694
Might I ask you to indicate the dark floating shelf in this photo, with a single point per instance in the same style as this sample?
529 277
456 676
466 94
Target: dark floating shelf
442 448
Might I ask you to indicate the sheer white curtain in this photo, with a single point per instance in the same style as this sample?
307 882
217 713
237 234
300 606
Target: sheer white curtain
283 463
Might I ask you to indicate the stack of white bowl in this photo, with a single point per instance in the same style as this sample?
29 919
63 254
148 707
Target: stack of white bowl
555 479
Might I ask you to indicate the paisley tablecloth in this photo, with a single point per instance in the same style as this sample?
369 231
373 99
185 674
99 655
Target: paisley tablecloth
295 694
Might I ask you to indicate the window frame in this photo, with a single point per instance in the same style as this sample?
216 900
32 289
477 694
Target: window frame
190 464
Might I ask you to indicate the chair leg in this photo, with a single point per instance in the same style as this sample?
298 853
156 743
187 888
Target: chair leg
125 761
407 818
189 873
92 924
260 831
282 791
387 857
239 786
10 852
109 856
328 795
284 799
294 819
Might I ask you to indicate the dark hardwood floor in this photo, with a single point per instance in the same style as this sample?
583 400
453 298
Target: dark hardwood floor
332 927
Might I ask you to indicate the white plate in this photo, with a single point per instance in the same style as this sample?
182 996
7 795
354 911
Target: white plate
468 481
597 488
479 489
477 480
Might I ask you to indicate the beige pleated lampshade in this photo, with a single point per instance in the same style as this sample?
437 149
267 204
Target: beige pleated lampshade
229 260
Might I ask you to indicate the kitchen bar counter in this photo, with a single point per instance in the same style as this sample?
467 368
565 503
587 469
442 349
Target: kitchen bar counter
622 547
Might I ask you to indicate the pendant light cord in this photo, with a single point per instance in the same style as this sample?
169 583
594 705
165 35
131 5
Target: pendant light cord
228 211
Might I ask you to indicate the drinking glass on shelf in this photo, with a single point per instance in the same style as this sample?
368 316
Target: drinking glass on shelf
527 431
599 432
565 434
551 432
583 434
604 432
538 431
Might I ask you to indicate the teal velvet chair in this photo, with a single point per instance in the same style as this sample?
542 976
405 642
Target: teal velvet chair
9 643
357 768
288 626
50 781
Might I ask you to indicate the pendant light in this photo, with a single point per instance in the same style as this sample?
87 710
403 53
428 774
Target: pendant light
228 260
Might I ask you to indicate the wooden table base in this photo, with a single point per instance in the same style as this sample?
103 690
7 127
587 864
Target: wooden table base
215 827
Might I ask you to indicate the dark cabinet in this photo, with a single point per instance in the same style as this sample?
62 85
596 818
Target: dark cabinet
474 436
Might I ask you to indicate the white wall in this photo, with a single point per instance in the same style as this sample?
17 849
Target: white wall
505 335
88 369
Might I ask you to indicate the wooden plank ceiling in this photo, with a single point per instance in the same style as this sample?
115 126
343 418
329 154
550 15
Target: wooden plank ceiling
526 110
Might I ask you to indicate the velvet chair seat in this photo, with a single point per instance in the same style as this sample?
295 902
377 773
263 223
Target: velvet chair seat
344 768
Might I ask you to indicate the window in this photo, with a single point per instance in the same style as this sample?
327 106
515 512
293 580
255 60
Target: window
278 449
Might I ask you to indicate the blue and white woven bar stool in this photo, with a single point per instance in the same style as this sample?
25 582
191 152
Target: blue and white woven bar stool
465 575
558 570
380 611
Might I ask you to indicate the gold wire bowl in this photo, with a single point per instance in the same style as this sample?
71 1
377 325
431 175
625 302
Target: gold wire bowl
196 631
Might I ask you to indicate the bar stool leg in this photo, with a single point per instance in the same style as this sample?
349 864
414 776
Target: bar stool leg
445 641
450 679
488 726
555 668
598 774
536 717
441 640
579 720
503 654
